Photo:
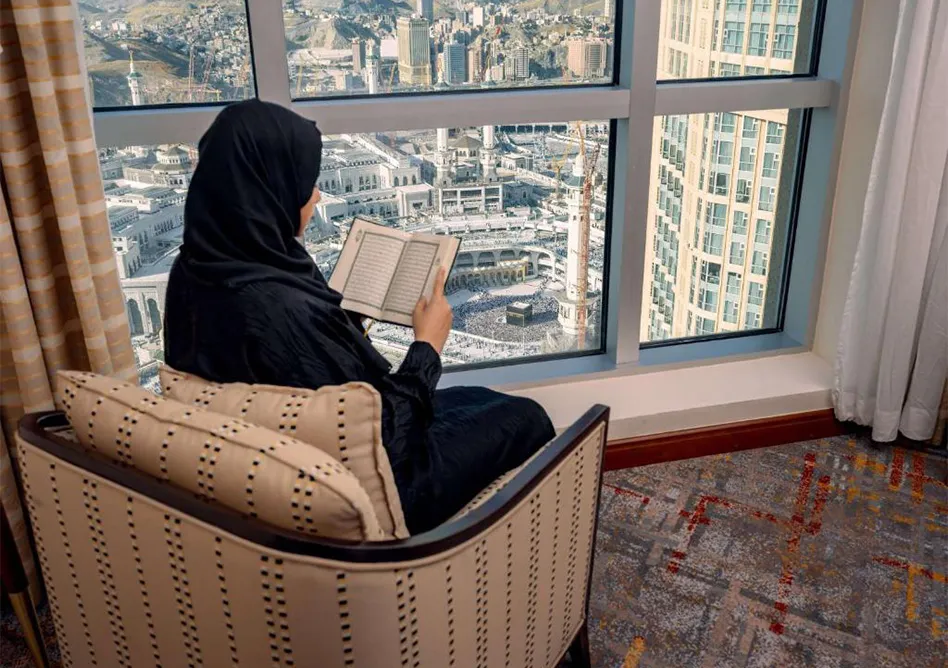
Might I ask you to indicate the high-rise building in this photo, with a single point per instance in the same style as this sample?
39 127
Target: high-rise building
588 58
607 9
521 62
479 17
414 51
134 81
425 9
358 56
455 64
716 177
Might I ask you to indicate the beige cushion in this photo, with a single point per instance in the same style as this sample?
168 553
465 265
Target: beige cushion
248 468
343 421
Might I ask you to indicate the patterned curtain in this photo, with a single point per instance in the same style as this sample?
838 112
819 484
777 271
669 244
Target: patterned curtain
61 306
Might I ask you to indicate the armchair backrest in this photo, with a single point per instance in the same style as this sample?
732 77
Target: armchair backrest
143 573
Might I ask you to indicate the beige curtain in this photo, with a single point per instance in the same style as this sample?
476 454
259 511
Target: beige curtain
60 301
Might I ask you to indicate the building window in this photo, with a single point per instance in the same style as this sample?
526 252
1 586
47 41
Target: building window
757 45
736 256
740 223
784 37
728 70
771 166
767 196
762 6
748 158
736 5
733 40
774 133
759 263
788 6
762 233
732 298
755 294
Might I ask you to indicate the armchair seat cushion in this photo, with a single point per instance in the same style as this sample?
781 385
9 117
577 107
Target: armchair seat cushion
225 460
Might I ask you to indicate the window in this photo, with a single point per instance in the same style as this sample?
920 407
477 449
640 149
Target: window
748 158
732 299
750 70
771 165
740 223
759 263
151 53
709 286
750 128
726 229
774 133
733 41
511 183
784 37
788 6
755 294
736 256
762 233
758 39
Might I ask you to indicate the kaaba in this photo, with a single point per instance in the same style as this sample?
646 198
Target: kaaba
519 314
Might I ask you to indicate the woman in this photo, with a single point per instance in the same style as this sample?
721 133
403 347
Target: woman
246 303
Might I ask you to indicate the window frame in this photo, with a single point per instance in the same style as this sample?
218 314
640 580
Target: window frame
632 102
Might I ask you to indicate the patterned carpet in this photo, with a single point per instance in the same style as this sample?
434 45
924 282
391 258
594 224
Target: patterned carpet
823 553
826 553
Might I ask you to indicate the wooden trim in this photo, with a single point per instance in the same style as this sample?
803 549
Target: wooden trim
720 439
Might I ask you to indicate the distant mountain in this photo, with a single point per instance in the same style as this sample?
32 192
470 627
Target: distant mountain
335 33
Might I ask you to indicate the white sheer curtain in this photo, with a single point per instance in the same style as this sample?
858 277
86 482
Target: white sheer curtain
893 349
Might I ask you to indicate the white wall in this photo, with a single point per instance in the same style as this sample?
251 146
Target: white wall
870 75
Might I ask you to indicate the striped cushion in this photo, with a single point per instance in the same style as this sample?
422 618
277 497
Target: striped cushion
226 460
342 421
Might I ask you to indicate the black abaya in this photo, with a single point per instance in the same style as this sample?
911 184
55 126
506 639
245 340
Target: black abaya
246 303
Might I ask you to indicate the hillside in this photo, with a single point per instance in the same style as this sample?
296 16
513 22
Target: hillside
335 33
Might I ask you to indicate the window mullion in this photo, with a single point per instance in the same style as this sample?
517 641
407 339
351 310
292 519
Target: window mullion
744 95
268 44
639 62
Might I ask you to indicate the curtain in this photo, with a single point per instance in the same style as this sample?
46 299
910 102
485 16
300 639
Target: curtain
893 349
60 301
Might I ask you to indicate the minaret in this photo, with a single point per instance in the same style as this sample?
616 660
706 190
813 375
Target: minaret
443 177
134 81
371 73
488 159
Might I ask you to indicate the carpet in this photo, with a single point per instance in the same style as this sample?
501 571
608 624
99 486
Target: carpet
822 553
827 553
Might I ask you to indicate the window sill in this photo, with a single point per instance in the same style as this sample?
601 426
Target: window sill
662 394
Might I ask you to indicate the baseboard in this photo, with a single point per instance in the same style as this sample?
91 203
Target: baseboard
721 439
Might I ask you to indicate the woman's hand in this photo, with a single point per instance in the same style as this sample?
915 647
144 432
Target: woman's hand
432 318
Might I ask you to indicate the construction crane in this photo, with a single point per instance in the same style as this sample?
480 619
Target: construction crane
391 79
582 279
190 72
558 167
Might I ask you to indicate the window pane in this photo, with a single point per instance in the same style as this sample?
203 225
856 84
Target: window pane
731 38
155 52
515 195
421 46
699 229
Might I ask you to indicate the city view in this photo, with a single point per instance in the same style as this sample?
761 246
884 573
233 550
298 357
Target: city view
527 201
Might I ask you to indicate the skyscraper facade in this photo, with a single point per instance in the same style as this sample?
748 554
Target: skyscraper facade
716 177
588 58
455 64
425 9
521 62
414 52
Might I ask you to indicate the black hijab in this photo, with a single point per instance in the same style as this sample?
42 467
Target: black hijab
258 165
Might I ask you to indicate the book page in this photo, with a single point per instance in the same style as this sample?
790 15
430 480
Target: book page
366 266
423 256
415 268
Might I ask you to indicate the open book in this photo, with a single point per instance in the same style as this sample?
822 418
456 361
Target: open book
382 273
